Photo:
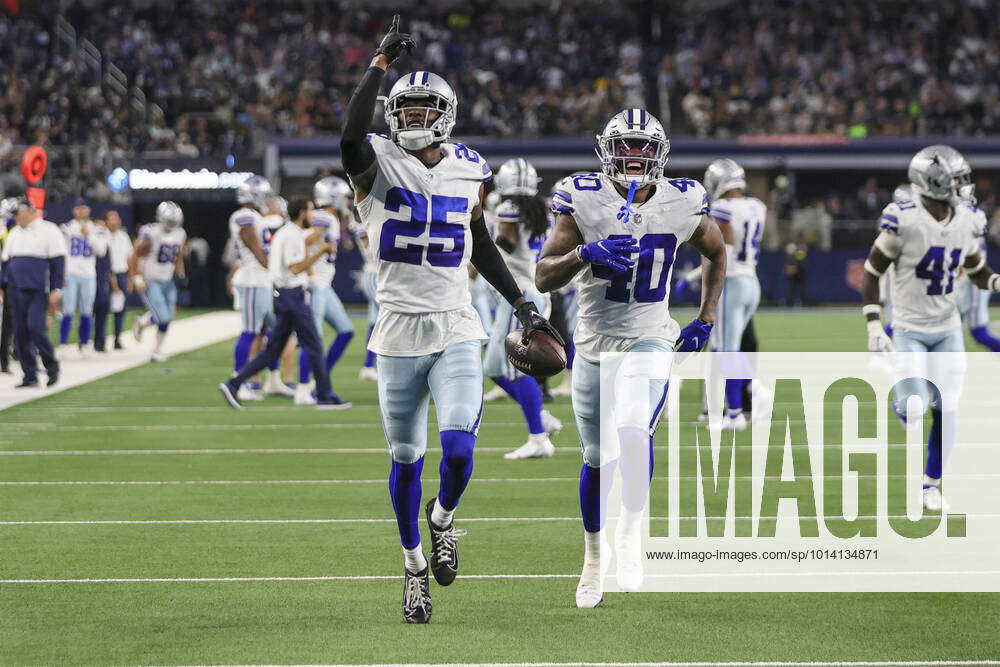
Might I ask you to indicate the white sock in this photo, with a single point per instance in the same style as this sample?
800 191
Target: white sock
414 559
591 548
930 481
538 437
145 319
735 412
160 336
440 516
629 523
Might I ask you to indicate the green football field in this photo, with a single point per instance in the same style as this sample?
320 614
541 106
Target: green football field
302 556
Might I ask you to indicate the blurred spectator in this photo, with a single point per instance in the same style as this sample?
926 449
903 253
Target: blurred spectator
796 269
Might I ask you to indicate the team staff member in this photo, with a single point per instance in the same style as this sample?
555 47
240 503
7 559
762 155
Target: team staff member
34 264
288 267
119 249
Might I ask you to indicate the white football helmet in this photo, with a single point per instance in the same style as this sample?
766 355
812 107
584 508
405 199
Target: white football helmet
941 173
436 95
333 191
169 214
517 177
722 176
255 191
633 147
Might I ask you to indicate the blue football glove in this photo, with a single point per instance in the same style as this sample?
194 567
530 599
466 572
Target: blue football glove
693 338
612 253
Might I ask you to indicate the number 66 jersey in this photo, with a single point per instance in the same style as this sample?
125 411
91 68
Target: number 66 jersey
927 255
418 223
165 245
615 310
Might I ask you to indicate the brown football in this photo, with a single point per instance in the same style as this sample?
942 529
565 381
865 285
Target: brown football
542 357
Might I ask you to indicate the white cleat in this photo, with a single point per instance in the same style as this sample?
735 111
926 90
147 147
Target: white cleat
159 358
550 423
566 387
62 352
934 500
245 393
137 328
535 448
304 395
629 572
589 590
275 387
735 423
494 394
82 352
368 373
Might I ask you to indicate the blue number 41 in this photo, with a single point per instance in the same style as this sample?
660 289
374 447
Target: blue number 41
931 268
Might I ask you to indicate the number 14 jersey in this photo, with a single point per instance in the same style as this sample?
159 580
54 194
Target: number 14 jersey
634 304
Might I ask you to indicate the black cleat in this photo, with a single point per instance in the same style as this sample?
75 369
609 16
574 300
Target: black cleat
444 549
416 597
118 345
53 378
229 393
27 384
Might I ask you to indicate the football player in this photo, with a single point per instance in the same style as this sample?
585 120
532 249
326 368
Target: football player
617 233
927 240
85 243
251 238
974 303
420 198
332 198
741 221
152 266
522 223
367 281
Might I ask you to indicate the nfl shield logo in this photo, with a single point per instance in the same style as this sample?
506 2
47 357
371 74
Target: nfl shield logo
855 273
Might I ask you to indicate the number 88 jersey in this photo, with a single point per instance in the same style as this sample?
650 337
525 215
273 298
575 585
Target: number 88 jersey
927 256
418 223
633 304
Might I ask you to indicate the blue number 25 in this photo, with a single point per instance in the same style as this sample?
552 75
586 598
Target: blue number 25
447 252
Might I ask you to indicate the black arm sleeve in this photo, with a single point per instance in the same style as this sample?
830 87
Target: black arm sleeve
487 260
356 153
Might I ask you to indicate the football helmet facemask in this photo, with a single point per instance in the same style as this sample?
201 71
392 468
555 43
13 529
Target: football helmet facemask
941 173
169 214
633 147
722 176
434 99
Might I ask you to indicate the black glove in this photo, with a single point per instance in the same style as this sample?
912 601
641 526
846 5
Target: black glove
395 42
531 321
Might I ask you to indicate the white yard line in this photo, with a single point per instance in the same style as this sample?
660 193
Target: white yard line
185 335
523 519
381 450
253 482
388 577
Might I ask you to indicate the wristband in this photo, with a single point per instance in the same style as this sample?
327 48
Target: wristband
872 309
579 253
994 283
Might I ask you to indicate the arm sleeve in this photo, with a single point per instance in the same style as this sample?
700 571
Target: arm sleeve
487 260
356 153
57 271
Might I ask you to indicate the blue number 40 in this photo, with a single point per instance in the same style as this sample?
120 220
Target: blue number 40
451 248
645 289
931 268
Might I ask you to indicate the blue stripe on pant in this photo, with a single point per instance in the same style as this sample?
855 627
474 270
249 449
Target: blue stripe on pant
453 377
292 314
28 308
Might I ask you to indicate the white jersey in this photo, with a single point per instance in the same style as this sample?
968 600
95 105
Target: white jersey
927 257
324 269
617 308
524 257
120 247
165 246
745 216
418 222
250 272
361 240
83 250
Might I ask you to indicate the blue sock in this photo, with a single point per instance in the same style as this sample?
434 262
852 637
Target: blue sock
337 348
570 352
734 394
86 322
162 327
65 324
404 489
241 353
369 355
456 466
982 335
304 368
933 466
525 391
590 499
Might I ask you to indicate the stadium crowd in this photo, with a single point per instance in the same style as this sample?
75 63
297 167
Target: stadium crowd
229 72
